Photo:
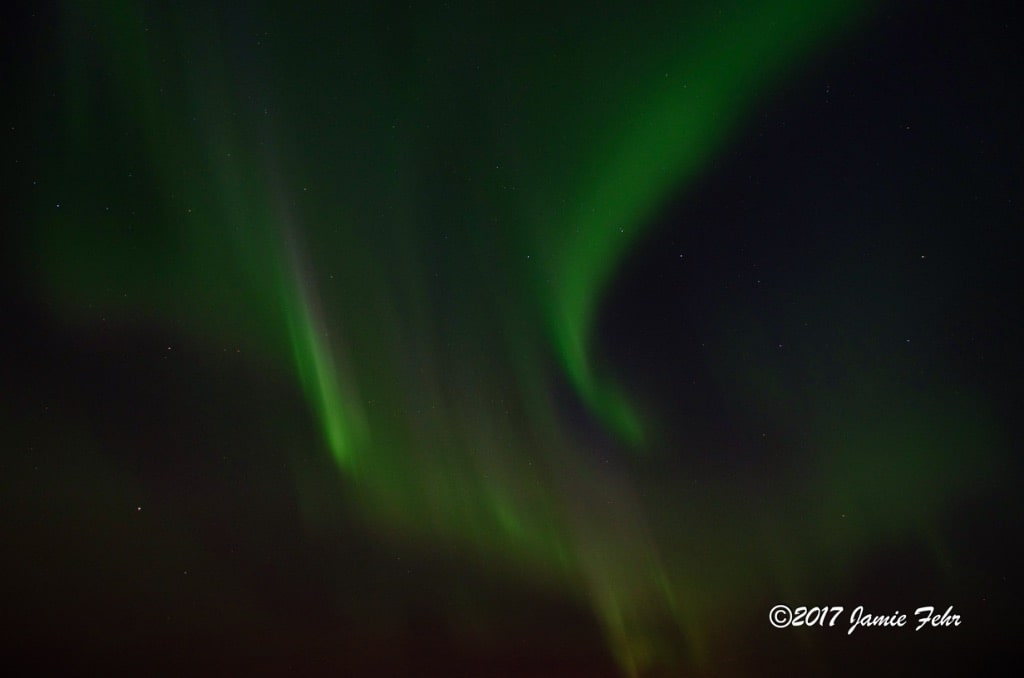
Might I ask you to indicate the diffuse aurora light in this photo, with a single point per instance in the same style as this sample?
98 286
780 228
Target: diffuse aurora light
424 276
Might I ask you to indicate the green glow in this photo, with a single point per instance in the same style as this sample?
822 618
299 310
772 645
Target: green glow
686 99
422 317
319 376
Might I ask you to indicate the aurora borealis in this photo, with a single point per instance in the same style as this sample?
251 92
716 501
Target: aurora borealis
487 339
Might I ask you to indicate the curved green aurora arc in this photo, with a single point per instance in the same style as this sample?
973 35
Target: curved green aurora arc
675 112
419 223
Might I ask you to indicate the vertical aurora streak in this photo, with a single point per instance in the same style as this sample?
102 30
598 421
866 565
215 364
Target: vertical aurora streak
319 374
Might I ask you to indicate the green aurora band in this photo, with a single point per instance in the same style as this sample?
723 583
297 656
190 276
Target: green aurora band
424 236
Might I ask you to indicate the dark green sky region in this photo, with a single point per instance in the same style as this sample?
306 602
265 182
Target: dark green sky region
487 339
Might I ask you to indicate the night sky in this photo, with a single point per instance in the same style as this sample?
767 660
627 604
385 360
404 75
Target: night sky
472 339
